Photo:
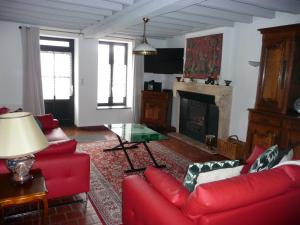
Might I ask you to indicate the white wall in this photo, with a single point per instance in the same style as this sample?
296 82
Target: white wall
10 65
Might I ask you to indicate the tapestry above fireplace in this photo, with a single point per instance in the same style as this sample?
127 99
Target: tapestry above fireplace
203 57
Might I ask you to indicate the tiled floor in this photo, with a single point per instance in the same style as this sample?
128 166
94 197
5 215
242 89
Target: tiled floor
67 214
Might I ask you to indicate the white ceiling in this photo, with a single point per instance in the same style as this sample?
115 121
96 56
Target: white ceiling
123 18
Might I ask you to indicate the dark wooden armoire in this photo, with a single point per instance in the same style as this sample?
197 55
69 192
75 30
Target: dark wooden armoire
274 119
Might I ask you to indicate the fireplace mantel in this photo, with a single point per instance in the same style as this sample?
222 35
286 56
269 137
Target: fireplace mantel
223 98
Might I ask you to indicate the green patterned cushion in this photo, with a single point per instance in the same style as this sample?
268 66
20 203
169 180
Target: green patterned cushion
190 179
266 160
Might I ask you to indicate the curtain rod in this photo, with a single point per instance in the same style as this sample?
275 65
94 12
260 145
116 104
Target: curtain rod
70 32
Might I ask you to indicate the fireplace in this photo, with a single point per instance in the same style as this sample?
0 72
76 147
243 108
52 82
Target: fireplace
199 115
202 109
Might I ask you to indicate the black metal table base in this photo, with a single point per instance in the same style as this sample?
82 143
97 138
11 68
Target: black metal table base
122 146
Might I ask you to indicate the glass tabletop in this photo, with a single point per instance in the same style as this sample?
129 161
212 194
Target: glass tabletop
133 132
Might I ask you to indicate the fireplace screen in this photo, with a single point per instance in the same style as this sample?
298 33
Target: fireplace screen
199 115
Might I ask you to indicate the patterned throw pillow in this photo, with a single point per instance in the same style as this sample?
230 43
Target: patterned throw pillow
266 160
193 171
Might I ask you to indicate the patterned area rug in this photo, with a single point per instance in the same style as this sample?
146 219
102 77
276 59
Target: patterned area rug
107 173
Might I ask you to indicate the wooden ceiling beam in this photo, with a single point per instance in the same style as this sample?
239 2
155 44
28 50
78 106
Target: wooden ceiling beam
129 16
64 6
217 13
42 10
290 6
203 19
238 7
102 4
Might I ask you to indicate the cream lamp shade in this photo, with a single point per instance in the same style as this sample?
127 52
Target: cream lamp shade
20 135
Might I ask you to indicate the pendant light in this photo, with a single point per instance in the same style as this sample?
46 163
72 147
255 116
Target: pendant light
144 48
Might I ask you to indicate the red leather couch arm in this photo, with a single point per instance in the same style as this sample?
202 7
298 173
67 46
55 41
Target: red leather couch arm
142 204
65 147
66 174
47 121
167 186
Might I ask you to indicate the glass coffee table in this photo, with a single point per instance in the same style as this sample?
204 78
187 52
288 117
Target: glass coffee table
130 135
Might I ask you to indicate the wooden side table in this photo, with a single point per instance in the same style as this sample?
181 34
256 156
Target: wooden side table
14 194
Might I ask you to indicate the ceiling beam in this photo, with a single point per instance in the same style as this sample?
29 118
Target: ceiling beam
59 5
139 34
127 17
124 2
217 13
239 7
162 19
102 4
291 6
203 19
167 25
42 10
41 22
8 11
151 30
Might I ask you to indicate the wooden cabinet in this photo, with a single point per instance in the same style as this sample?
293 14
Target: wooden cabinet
156 108
279 73
266 129
273 120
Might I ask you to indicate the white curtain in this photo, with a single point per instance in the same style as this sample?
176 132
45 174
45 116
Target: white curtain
32 79
138 83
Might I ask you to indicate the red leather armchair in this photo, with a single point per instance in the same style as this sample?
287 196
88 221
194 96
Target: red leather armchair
66 171
267 197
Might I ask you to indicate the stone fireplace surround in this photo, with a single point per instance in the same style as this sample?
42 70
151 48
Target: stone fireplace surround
223 98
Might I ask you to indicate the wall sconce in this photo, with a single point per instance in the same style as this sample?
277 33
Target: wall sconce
254 63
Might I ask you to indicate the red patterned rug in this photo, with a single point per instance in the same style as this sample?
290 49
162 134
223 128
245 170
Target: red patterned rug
107 173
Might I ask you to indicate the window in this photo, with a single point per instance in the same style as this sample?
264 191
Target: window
112 74
57 69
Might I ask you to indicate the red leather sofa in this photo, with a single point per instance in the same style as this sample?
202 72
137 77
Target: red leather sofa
66 171
267 197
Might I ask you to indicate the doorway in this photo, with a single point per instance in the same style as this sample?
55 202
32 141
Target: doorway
57 65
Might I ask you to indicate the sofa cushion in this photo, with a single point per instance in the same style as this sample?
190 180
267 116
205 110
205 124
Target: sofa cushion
257 151
3 110
194 169
66 147
55 135
236 192
219 174
286 155
46 121
267 160
167 186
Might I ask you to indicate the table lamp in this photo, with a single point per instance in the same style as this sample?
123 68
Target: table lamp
20 138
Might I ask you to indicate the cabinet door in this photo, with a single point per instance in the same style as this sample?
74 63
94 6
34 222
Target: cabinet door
273 75
290 137
154 109
262 135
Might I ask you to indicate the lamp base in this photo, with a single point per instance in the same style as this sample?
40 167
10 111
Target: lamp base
20 168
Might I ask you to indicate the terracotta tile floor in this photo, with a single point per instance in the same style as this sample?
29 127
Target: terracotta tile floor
68 214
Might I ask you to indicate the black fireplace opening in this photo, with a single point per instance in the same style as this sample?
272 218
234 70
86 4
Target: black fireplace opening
199 115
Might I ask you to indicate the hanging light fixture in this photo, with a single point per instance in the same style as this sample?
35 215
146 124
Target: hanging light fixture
144 48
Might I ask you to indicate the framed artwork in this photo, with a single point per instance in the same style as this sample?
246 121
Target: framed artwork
203 57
